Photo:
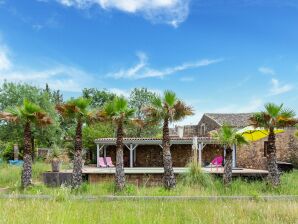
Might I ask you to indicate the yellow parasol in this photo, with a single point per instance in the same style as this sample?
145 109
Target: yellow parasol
255 134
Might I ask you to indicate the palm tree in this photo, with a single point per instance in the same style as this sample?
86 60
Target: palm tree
274 116
120 114
167 109
77 109
26 114
228 137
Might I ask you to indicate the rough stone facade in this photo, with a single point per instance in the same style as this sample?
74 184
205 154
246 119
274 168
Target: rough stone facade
253 155
206 125
151 155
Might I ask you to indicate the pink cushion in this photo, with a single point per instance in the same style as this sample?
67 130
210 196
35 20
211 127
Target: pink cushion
217 160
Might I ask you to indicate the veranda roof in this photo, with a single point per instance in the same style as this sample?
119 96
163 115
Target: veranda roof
155 141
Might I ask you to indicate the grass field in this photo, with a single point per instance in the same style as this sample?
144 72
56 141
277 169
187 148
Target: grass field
61 209
81 212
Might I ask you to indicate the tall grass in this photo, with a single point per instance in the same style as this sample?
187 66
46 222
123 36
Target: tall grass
195 176
193 183
130 212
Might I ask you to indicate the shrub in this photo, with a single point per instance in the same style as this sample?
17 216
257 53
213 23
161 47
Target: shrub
6 150
196 177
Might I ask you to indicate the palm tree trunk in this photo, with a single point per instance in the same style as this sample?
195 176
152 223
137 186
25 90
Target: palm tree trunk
273 175
77 161
119 175
27 166
169 177
227 175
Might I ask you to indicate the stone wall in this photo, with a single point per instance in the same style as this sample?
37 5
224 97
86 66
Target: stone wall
151 155
210 125
252 156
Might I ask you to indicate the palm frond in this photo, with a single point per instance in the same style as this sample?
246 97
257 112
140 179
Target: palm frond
170 98
181 110
272 109
260 119
228 136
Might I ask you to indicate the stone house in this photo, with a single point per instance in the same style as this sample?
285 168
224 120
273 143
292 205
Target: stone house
254 154
147 152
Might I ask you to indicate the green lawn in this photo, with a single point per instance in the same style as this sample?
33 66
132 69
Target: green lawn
61 209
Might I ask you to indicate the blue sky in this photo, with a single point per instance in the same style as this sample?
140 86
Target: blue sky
219 56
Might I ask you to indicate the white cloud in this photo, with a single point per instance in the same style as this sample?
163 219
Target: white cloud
142 70
267 71
120 92
277 88
5 63
65 78
172 12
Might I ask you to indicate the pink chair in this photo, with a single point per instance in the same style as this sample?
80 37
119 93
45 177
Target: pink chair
217 162
109 162
101 162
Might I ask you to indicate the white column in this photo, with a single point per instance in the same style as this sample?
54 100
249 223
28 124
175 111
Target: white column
234 156
135 155
200 153
97 155
131 155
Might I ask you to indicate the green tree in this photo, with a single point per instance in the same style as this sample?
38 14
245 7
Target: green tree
139 99
274 116
120 114
228 137
26 115
13 94
77 110
167 109
97 97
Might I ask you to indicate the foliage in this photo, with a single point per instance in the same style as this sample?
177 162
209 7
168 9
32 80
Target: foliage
6 150
55 152
118 111
140 98
228 136
13 95
196 177
98 97
94 131
169 106
274 116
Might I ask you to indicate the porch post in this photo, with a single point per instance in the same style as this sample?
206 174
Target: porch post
131 156
97 155
234 156
195 148
105 152
200 153
135 155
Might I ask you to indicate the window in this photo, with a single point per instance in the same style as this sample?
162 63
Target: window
203 129
265 148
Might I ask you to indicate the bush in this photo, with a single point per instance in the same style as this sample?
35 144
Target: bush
196 177
6 150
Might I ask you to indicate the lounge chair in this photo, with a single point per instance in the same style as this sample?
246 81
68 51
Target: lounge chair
109 162
101 162
217 162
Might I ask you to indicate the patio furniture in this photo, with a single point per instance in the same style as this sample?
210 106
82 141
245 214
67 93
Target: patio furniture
101 162
109 162
16 162
217 162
